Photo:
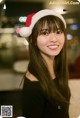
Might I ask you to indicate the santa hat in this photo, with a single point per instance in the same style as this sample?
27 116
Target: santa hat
33 18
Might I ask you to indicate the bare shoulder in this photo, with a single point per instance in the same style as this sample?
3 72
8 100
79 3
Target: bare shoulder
31 77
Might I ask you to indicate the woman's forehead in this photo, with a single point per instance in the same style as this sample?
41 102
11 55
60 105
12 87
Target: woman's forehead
47 25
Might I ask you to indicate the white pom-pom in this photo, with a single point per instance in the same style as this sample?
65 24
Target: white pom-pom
25 31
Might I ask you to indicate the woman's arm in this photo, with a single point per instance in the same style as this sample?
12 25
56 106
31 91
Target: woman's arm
32 100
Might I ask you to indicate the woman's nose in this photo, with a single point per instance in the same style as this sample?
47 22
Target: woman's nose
53 37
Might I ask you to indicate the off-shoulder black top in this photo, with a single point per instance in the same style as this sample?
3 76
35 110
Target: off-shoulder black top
36 105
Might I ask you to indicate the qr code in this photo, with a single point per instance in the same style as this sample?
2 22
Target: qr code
7 111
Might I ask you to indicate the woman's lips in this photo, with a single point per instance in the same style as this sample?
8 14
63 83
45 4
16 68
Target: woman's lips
53 46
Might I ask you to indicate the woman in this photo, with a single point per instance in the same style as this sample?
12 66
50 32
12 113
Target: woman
45 91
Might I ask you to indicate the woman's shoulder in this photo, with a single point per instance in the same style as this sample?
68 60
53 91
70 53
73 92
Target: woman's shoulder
30 77
32 85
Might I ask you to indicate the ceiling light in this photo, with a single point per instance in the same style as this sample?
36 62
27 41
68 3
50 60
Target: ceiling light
22 19
71 20
1 1
4 6
69 37
74 26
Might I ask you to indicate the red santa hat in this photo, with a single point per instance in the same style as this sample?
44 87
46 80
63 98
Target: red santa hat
33 18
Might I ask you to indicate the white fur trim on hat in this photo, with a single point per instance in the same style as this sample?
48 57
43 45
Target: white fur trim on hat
26 31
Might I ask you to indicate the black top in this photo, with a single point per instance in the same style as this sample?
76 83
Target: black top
36 105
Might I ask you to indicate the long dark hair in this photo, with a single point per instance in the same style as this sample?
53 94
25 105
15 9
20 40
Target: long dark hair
61 93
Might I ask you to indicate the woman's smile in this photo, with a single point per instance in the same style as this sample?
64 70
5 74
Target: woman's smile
53 47
50 43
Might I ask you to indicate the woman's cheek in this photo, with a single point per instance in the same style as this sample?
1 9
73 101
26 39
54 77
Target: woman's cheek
41 42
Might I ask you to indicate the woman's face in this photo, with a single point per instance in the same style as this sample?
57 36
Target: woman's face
50 43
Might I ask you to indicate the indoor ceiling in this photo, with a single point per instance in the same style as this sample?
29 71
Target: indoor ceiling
68 5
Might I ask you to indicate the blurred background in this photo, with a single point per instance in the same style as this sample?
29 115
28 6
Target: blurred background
14 54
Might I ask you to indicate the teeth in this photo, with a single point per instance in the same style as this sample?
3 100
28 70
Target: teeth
53 47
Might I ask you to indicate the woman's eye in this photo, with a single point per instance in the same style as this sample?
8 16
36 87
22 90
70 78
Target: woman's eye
58 32
45 33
